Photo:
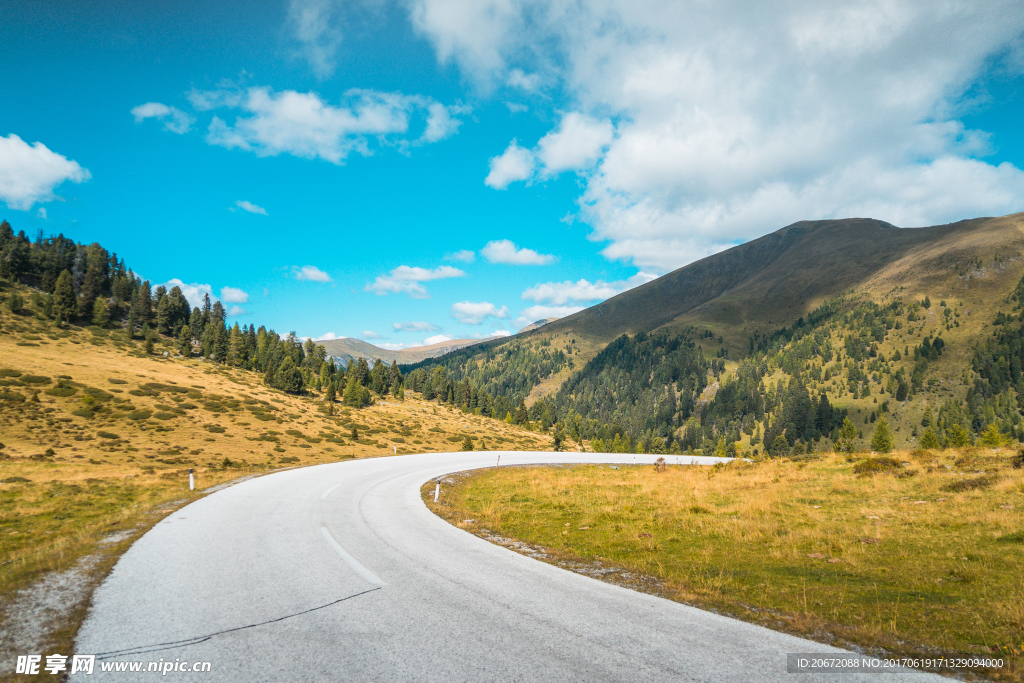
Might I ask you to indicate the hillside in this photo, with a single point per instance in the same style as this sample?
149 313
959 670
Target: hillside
785 336
348 348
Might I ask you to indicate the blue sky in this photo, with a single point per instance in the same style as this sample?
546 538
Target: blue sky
404 172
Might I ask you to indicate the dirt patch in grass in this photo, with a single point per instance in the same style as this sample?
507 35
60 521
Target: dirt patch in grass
886 565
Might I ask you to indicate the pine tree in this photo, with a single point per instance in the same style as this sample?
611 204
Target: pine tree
847 433
329 394
353 393
882 439
99 313
991 437
929 439
288 378
236 347
957 436
467 444
64 296
185 341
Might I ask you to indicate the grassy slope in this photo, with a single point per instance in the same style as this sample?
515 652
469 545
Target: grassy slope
110 473
894 562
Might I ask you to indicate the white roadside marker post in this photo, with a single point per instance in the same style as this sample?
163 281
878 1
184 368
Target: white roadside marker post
437 491
499 462
396 449
191 480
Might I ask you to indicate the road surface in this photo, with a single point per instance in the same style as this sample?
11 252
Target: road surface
339 572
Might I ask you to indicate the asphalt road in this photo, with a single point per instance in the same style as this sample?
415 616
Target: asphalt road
340 572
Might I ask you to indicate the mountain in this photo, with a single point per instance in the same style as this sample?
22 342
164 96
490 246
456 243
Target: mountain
536 324
774 343
347 348
775 279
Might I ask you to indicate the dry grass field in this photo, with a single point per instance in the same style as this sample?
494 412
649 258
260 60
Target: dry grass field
97 440
918 555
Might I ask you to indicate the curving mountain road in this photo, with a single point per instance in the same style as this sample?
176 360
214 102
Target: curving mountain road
340 572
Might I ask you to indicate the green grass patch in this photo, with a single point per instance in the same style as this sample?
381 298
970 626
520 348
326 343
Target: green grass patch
903 564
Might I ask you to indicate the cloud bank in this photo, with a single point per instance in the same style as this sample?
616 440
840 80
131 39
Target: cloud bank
408 279
694 126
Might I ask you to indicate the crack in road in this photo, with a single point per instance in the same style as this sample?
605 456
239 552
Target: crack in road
157 647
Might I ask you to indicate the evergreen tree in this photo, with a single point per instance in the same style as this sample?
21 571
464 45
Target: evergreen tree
353 396
929 439
236 347
882 439
14 302
991 436
64 296
99 313
957 436
185 341
847 433
329 394
288 378
148 344
467 444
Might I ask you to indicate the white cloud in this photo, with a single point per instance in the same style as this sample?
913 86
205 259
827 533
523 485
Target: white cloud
233 295
29 173
575 146
734 119
250 207
407 279
41 213
474 312
583 290
464 255
440 124
315 23
515 163
174 119
304 125
516 107
236 310
524 81
311 274
436 339
505 251
370 334
415 326
194 292
328 337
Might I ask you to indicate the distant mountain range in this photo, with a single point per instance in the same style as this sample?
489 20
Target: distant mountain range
348 348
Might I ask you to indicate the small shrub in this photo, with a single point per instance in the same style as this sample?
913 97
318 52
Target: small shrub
876 466
1008 538
82 412
62 391
215 429
467 444
660 465
165 416
975 484
35 379
15 480
114 380
139 415
8 372
107 435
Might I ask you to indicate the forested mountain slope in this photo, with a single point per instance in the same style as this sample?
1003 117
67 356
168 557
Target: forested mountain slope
786 336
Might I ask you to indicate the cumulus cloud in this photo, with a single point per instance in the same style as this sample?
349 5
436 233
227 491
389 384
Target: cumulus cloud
464 255
505 251
174 119
583 290
370 334
304 125
233 295
235 311
709 124
41 213
514 164
408 279
30 173
474 312
415 326
328 337
194 291
311 274
436 339
250 207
